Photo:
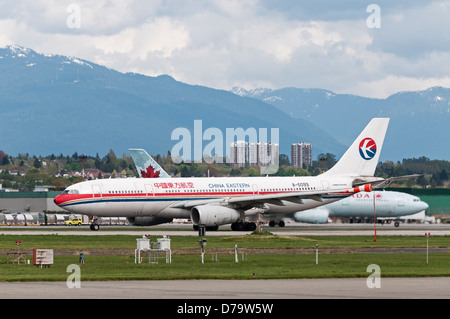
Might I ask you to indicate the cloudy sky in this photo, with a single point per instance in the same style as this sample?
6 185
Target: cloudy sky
343 46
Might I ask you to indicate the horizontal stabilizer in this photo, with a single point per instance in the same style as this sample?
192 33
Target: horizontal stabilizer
385 183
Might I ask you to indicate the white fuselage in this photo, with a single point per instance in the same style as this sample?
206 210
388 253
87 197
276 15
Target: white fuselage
385 204
134 197
379 204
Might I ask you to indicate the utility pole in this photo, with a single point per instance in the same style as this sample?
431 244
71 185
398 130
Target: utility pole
83 158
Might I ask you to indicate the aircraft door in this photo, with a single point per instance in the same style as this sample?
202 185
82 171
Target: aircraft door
325 185
255 189
149 190
96 191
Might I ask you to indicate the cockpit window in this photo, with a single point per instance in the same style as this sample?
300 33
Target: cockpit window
70 191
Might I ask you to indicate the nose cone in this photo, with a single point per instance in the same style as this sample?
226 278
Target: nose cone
59 200
423 205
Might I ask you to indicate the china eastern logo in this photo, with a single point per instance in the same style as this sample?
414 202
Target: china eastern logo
367 148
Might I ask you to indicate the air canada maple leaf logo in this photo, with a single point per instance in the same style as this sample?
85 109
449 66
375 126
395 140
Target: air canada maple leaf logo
150 173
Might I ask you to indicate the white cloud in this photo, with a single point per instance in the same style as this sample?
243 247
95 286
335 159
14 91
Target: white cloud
4 37
223 43
161 35
391 84
414 31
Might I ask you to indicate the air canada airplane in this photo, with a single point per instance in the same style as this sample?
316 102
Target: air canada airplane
387 204
211 202
146 166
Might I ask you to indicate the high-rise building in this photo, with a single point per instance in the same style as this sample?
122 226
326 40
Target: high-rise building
239 153
268 153
261 153
301 154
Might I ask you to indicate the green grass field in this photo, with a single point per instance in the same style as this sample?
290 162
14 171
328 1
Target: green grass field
115 263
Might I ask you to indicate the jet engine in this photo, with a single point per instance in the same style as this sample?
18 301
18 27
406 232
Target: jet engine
147 220
214 215
314 216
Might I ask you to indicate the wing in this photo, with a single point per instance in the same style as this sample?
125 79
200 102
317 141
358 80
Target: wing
385 183
256 201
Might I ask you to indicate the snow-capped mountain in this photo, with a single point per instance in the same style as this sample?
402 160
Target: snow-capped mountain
420 120
59 104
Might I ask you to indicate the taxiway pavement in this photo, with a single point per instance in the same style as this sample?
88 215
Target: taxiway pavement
333 288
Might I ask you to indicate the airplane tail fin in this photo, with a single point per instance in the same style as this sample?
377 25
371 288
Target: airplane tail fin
146 166
361 158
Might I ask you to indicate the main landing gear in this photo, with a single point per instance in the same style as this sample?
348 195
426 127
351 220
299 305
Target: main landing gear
273 223
94 226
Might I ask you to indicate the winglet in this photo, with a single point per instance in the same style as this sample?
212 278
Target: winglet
361 158
146 166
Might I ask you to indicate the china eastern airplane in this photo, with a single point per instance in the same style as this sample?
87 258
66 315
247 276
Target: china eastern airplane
361 205
211 202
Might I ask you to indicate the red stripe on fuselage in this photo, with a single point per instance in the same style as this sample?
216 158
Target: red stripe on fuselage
66 198
61 199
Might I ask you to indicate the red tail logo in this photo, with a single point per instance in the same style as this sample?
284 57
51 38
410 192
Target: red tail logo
150 173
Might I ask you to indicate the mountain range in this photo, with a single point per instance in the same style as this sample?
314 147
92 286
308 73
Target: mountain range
58 104
52 104
419 125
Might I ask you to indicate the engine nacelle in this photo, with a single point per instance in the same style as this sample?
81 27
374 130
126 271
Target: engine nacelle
214 215
147 220
314 216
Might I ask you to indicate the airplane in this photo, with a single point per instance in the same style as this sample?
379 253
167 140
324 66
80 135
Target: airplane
211 202
388 204
146 166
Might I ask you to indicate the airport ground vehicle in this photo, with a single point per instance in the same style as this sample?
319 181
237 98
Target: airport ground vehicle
74 221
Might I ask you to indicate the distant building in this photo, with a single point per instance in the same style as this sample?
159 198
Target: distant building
261 153
93 173
301 154
43 188
268 153
239 153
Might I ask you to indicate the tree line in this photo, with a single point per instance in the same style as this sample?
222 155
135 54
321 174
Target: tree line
24 172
